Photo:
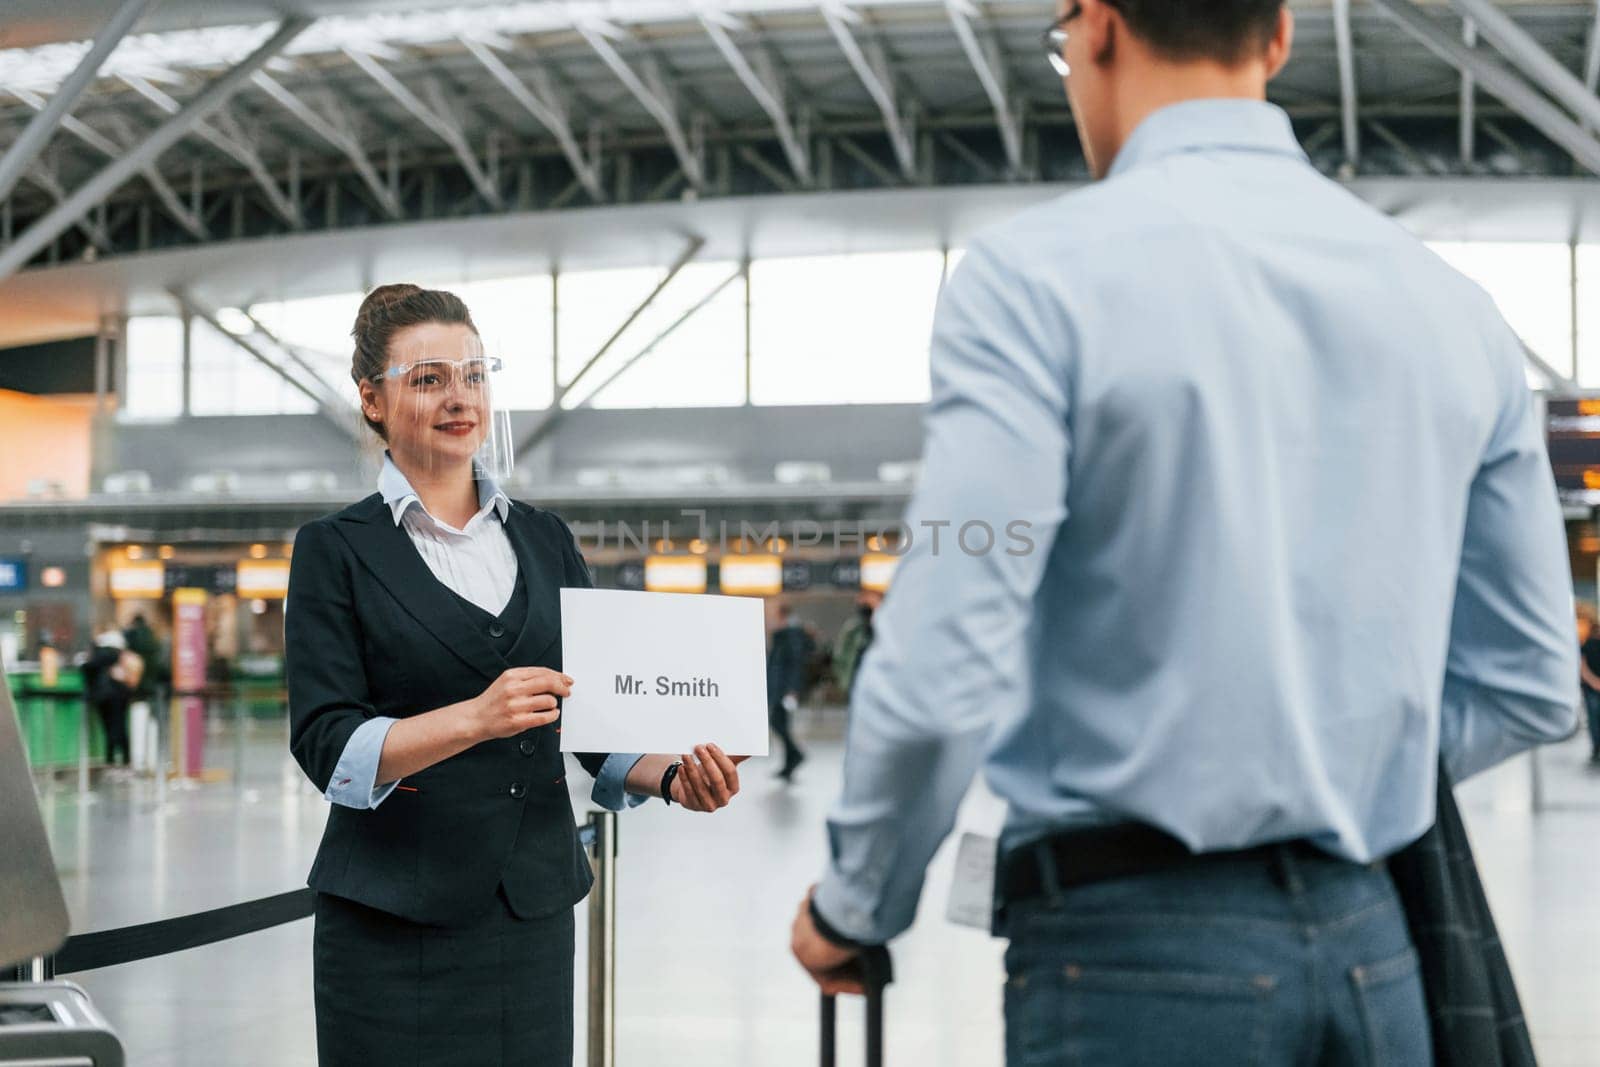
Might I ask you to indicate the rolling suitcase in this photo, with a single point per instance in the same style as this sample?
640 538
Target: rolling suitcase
876 973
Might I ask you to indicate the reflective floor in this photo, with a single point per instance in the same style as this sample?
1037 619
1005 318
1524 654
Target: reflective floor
704 978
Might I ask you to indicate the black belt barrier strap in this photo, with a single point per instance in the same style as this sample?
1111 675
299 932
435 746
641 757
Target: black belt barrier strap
88 952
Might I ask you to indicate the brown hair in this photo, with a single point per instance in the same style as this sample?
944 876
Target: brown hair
389 309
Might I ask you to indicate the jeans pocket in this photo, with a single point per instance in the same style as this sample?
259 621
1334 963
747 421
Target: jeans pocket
1394 1017
1081 1016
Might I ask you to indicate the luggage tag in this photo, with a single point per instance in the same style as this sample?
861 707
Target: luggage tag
972 888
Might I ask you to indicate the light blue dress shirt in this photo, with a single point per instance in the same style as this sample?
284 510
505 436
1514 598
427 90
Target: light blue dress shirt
354 781
1291 528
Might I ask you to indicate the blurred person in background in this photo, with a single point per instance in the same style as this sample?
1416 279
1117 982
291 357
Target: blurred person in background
787 662
142 640
855 637
1294 537
1589 673
112 675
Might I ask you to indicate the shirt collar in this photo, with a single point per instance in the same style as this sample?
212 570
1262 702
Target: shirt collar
1199 125
398 494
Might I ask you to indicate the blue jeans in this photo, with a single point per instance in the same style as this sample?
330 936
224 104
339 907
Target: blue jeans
1296 959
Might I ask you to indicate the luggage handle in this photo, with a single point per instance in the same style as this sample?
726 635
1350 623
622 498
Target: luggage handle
875 970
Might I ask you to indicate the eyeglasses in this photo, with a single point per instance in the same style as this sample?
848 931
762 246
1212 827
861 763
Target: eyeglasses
438 375
1055 41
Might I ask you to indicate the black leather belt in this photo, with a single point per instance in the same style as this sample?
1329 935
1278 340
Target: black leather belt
1084 856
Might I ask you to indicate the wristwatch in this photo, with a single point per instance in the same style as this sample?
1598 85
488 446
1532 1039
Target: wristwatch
666 781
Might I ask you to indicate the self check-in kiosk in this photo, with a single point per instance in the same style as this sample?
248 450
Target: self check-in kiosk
41 1022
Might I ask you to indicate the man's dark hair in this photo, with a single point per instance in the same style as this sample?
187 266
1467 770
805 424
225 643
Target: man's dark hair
1223 30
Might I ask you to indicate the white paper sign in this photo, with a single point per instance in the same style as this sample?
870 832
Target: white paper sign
663 672
972 888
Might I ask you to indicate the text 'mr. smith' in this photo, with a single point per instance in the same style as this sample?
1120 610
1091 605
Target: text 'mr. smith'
666 687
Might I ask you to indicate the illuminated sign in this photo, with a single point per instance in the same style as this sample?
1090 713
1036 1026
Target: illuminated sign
138 581
13 574
675 574
751 575
877 568
263 579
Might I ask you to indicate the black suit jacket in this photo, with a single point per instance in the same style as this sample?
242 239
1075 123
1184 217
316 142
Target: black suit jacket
370 631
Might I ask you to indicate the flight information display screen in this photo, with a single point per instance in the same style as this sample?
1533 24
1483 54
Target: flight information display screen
1572 428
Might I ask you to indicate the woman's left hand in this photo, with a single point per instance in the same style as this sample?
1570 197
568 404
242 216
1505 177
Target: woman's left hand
708 782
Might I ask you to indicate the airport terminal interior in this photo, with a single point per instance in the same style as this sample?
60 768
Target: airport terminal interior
705 240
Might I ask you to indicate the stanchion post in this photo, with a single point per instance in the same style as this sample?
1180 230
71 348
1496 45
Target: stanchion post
83 748
603 942
40 969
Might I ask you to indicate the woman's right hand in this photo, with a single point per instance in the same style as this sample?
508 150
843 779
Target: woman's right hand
522 698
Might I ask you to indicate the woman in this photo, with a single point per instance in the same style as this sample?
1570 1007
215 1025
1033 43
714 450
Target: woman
424 674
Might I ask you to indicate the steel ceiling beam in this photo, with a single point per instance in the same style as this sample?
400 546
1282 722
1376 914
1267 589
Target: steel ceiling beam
1469 98
43 125
655 342
231 144
438 123
987 65
548 111
1344 45
1532 59
1591 60
92 229
1498 81
653 95
879 82
548 422
765 87
339 138
38 236
336 412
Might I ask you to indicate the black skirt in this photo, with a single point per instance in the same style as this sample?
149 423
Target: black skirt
393 992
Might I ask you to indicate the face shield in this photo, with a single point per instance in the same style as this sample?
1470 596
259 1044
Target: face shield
444 401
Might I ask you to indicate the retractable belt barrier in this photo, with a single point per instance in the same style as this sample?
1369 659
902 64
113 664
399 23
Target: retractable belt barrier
129 944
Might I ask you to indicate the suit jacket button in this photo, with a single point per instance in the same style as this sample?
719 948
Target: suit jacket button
496 630
528 745
518 790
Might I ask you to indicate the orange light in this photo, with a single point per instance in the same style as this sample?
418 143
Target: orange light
675 574
1589 407
258 551
136 552
166 552
53 577
1591 479
751 575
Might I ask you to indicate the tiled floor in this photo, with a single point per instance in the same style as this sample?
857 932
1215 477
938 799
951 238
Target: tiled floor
704 978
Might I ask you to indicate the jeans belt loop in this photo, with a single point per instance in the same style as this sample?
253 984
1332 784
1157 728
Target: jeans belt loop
1049 875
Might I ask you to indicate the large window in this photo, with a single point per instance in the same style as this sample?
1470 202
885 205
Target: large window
1589 316
227 380
699 363
1531 284
154 388
514 317
843 329
318 329
820 330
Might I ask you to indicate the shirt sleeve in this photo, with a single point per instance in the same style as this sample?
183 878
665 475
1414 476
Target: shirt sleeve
354 782
949 653
1510 675
610 784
